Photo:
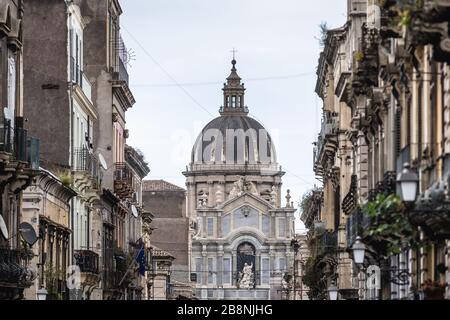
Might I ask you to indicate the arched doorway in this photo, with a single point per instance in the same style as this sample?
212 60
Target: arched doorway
246 266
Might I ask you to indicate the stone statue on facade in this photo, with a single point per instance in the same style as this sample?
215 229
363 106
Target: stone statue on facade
197 228
274 196
203 200
219 196
251 187
238 188
241 186
246 277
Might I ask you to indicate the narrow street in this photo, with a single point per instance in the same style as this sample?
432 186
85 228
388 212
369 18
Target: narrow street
239 156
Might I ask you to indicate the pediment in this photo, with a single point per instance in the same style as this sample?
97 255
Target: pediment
247 199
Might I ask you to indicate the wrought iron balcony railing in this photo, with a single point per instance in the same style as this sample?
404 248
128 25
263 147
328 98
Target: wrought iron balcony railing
87 261
357 222
16 142
123 180
327 243
33 153
6 136
12 267
330 128
20 144
85 161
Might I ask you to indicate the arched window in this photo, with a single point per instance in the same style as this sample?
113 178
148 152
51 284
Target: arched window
246 266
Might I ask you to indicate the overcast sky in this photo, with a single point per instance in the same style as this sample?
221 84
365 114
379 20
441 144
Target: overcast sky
182 53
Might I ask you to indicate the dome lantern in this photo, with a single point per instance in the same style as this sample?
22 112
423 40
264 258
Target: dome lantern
233 94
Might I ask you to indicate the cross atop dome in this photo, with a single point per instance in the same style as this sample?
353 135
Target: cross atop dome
233 93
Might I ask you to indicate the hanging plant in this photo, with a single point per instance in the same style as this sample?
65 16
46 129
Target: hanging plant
405 18
359 56
65 177
312 278
390 223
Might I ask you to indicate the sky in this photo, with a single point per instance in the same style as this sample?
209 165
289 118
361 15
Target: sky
180 54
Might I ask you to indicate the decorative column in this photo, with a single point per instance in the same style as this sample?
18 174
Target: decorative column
446 71
362 165
191 199
204 274
258 267
273 225
423 260
219 268
234 270
219 225
211 194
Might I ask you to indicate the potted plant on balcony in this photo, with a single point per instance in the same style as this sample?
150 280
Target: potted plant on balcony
433 290
319 227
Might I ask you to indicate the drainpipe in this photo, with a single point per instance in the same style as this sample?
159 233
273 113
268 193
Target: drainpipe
70 94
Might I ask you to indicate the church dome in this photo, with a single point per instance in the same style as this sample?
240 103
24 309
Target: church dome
234 137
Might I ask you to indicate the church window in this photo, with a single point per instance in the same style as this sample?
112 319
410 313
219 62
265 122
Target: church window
198 269
211 271
210 227
266 225
265 270
226 227
282 264
281 227
233 101
226 271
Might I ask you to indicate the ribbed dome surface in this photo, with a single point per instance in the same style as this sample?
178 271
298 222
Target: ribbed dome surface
234 139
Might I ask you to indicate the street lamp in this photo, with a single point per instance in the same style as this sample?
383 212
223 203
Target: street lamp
359 250
42 294
407 184
333 291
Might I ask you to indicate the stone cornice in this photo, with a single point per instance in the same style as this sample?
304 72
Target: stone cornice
51 184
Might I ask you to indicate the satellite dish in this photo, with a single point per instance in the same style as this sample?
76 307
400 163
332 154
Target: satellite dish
134 211
3 228
27 232
102 161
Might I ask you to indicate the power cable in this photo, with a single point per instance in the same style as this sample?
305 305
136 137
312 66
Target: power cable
207 83
176 83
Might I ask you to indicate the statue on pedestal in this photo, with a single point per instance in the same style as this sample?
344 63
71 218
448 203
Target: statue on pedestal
246 277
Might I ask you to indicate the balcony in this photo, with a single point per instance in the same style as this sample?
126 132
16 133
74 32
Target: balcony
327 142
123 72
387 186
13 270
88 261
432 211
87 168
123 180
120 79
357 224
327 243
16 143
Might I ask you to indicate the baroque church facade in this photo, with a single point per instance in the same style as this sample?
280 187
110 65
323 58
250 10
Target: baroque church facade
241 228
